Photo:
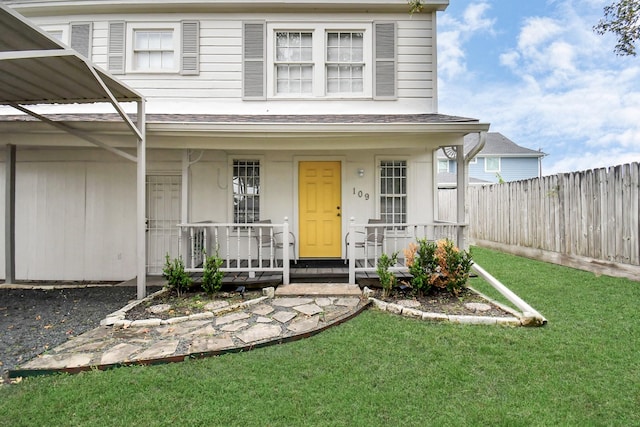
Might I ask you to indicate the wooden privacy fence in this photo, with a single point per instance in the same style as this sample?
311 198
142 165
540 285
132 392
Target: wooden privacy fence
592 214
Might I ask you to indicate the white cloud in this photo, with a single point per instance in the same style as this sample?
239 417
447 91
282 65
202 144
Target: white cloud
454 33
558 87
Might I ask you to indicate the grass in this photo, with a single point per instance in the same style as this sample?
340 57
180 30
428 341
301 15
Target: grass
581 369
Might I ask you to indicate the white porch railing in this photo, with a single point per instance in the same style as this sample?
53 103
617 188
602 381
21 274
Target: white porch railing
365 243
244 248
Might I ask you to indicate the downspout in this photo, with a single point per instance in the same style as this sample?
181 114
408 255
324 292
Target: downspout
477 148
462 165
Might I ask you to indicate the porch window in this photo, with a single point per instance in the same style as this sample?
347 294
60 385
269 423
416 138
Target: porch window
345 62
294 66
246 191
153 50
393 191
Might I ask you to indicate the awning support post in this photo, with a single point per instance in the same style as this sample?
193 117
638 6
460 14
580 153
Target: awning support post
141 223
10 215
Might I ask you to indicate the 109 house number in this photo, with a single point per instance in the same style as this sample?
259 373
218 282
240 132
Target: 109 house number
360 193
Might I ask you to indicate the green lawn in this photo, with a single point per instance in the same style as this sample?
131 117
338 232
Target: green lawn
583 368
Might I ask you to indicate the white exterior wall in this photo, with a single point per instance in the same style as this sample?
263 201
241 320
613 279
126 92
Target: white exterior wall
75 216
218 87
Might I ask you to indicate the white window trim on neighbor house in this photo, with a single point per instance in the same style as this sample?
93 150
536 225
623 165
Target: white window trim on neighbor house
446 166
379 193
474 161
319 34
486 163
132 28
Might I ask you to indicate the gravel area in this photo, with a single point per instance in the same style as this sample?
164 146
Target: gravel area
34 320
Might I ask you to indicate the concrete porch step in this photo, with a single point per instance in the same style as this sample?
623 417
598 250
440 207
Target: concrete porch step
328 289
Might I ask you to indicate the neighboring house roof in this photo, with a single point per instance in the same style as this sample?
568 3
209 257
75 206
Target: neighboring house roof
496 145
449 180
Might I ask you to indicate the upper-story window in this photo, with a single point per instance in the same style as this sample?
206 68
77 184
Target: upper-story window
153 47
345 62
443 166
294 62
318 60
153 50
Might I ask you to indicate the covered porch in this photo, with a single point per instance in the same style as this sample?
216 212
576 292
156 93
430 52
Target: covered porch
265 252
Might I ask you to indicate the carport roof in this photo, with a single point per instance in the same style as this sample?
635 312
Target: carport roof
37 69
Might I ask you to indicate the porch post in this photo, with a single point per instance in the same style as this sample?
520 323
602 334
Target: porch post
10 215
352 251
184 202
285 251
141 226
461 190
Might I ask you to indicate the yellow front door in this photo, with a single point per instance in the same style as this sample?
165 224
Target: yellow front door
320 213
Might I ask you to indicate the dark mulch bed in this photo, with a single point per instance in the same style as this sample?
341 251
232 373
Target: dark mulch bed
32 321
438 301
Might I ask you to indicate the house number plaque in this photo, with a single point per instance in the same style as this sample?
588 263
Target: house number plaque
360 193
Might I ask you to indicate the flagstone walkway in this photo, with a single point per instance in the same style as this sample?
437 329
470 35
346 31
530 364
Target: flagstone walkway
266 320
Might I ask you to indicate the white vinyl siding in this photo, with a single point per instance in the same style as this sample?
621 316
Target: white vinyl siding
220 82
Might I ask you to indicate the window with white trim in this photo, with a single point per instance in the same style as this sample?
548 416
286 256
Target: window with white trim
345 62
154 50
294 62
319 60
246 191
393 191
443 166
492 164
152 47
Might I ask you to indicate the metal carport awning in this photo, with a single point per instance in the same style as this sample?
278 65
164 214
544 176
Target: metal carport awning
36 69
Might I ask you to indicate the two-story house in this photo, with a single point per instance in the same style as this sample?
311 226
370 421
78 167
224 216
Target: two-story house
317 112
500 160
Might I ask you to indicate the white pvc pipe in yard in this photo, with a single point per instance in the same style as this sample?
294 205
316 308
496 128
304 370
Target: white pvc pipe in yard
530 315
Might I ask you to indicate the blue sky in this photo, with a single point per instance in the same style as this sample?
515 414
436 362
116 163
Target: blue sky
537 72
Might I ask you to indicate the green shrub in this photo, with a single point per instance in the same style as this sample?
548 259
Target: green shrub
387 278
177 278
212 276
437 265
421 261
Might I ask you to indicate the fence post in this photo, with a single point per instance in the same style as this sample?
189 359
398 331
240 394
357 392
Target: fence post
285 251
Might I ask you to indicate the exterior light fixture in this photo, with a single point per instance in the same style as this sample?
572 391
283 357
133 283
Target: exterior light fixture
360 172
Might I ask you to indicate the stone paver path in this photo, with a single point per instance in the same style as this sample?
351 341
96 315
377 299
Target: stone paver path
252 323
